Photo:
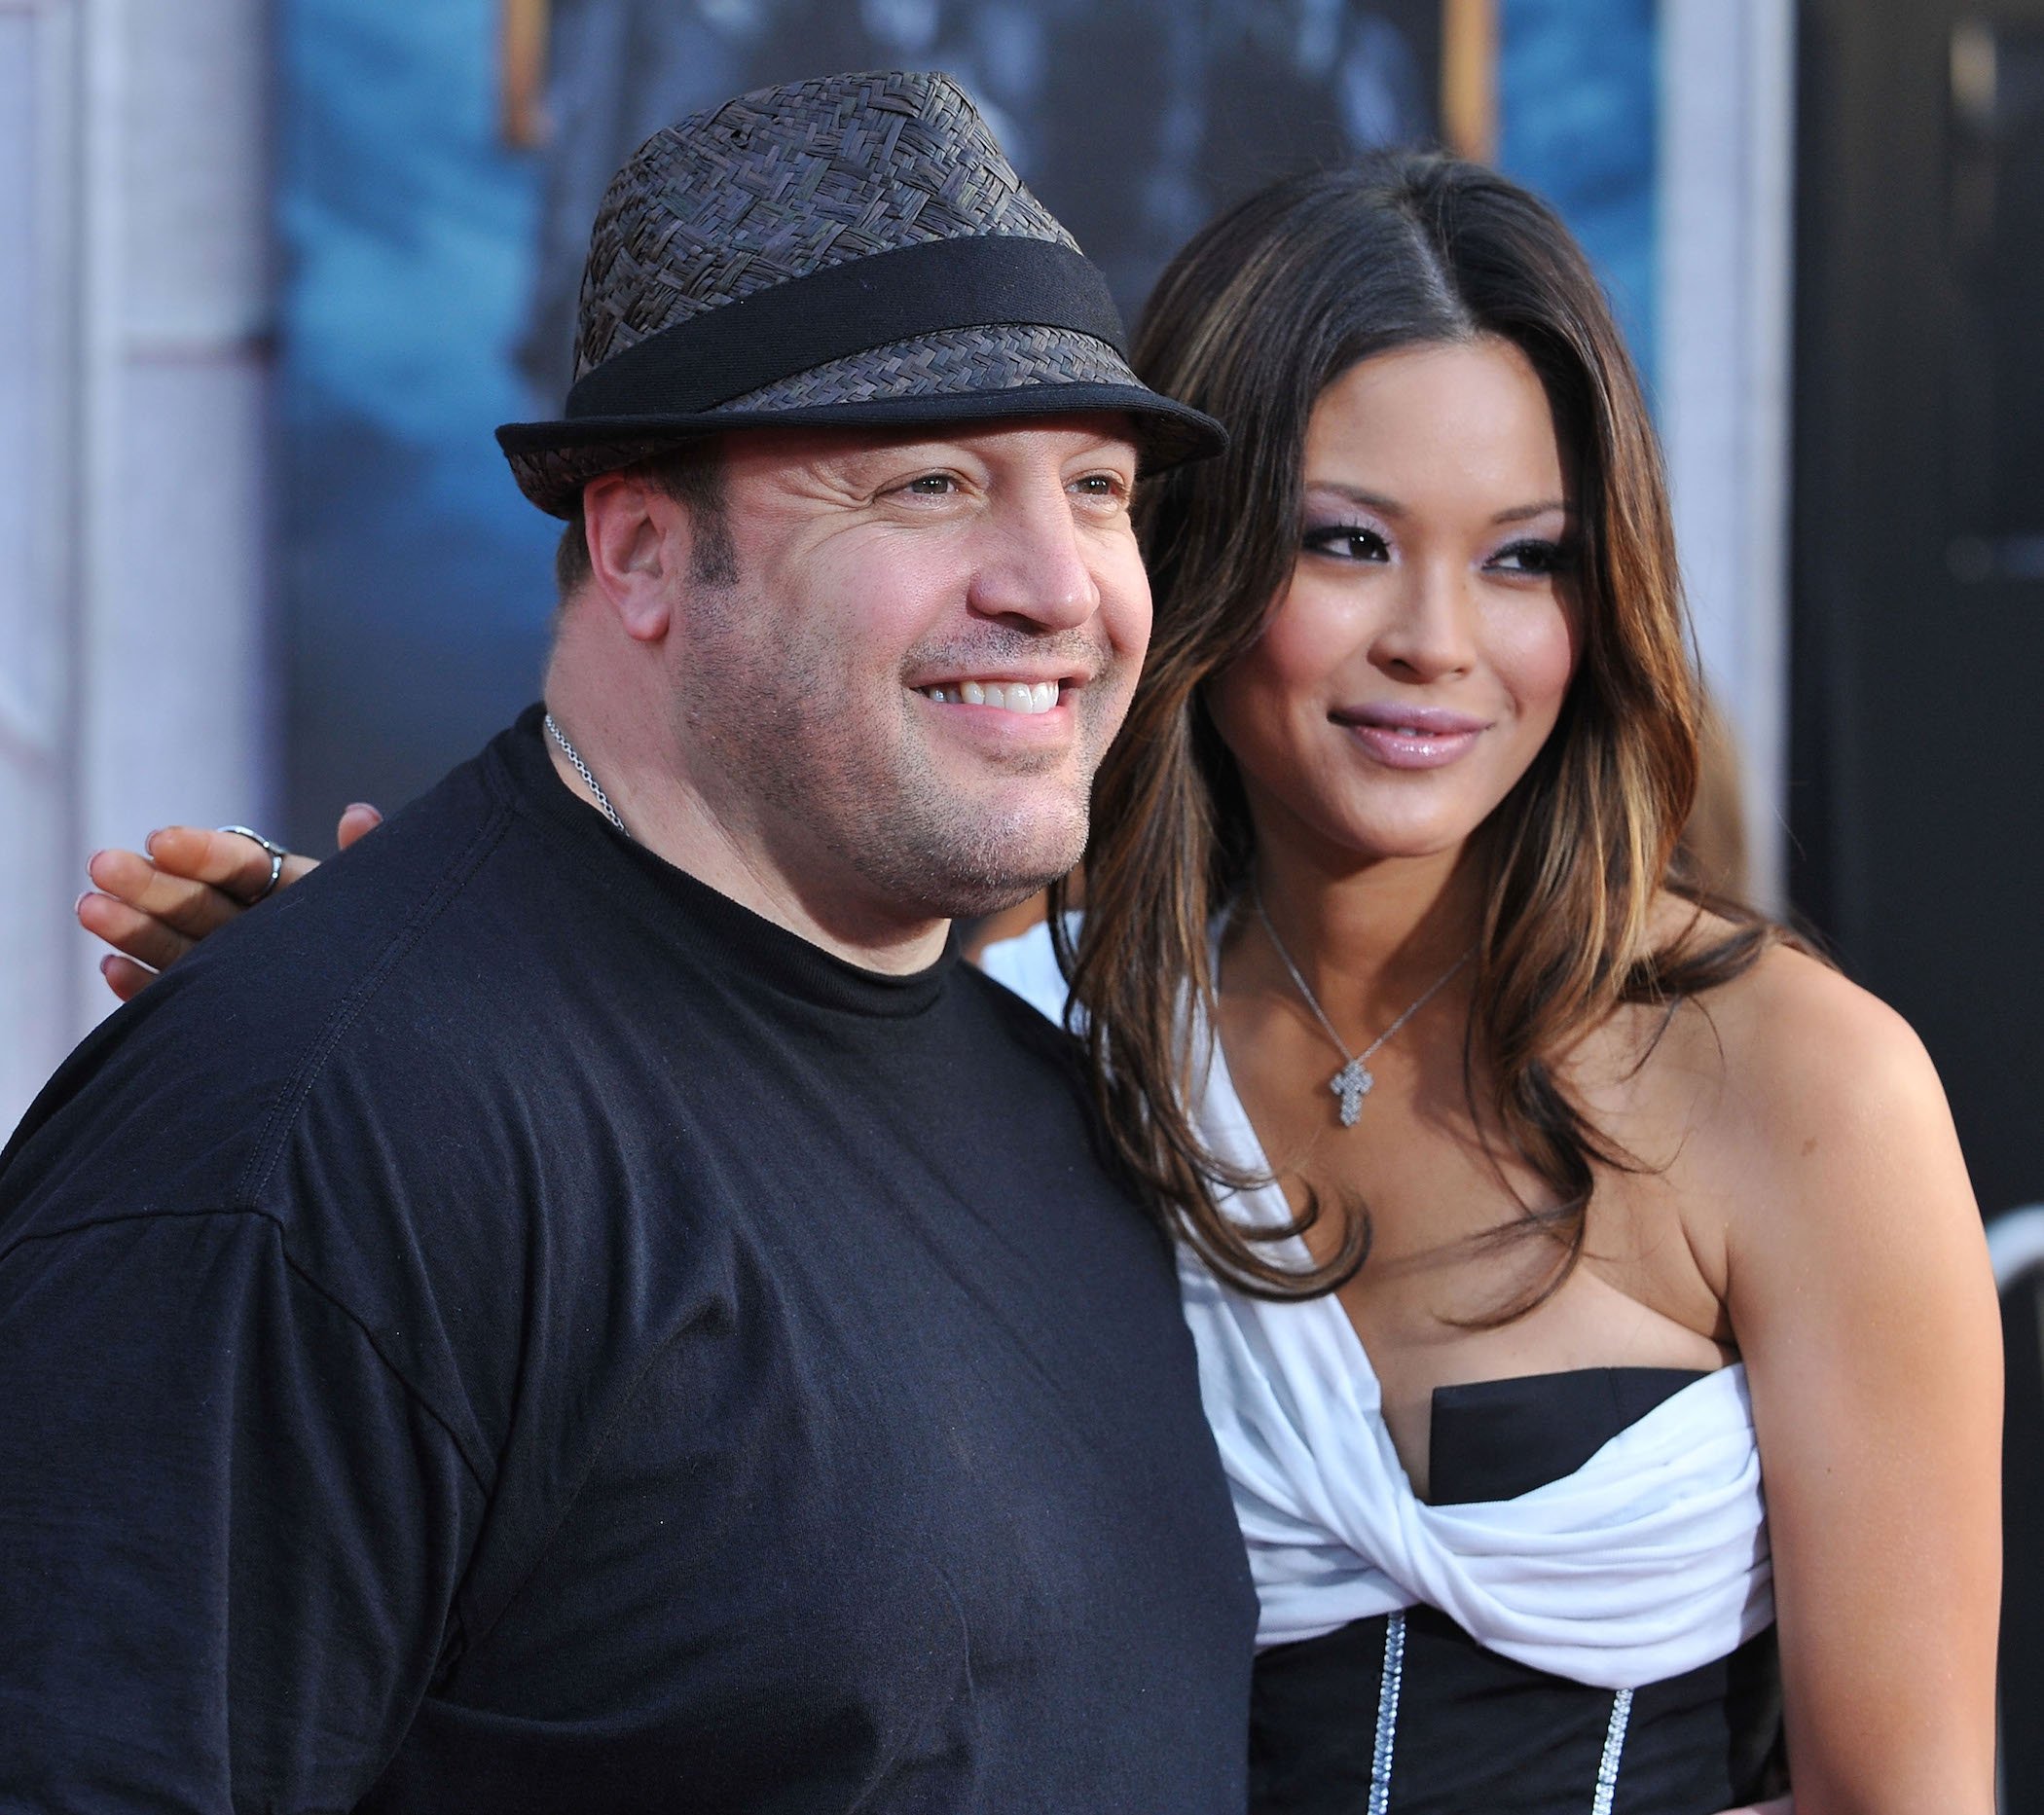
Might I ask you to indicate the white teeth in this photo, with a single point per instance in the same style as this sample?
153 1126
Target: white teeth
1014 696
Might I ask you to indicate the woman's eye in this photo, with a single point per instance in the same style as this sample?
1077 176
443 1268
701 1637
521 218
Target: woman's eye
1535 556
1348 542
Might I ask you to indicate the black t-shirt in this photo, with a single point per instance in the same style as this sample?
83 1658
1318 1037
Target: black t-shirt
503 1328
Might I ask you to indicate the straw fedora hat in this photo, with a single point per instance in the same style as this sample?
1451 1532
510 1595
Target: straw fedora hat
853 250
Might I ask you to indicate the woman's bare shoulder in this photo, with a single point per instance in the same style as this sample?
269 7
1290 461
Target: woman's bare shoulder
1754 1075
1811 1095
1796 1037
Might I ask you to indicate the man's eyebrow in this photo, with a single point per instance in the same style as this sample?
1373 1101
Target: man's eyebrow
883 452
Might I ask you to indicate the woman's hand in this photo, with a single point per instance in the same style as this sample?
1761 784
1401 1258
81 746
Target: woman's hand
153 908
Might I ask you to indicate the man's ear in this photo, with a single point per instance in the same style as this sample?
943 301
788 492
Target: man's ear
638 542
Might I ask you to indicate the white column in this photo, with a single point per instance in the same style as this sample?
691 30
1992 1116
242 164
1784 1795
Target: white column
1726 252
134 358
39 264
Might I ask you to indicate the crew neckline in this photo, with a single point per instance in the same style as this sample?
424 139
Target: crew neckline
688 909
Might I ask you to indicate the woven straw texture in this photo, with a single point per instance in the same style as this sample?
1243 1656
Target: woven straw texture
968 361
945 364
789 181
554 479
781 184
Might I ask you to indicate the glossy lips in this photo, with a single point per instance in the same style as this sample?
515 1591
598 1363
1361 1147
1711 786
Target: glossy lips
1411 737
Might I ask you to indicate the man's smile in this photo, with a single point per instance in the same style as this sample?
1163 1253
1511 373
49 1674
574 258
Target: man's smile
1007 696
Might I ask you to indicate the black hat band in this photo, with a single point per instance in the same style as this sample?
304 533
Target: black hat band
978 280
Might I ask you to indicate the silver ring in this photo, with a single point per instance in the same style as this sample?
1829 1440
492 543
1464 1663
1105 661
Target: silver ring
277 854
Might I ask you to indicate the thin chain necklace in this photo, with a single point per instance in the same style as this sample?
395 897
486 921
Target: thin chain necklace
596 788
1353 1082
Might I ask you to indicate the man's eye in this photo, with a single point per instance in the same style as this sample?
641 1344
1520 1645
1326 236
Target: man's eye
1103 486
1347 541
932 485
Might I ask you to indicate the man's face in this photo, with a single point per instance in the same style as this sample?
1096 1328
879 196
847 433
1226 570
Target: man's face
927 647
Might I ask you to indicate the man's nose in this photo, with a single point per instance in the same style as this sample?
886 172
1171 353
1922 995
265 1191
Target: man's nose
1430 630
1033 564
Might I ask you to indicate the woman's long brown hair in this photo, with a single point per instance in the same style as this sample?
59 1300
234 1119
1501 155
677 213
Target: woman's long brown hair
1253 319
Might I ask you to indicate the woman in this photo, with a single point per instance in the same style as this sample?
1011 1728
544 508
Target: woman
1530 1206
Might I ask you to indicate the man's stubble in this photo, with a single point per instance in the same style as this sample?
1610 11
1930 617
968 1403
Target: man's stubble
813 775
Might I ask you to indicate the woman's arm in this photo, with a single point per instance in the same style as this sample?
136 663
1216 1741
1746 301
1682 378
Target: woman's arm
1859 1291
152 909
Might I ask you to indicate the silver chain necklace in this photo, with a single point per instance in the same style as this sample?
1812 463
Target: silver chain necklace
1353 1082
596 788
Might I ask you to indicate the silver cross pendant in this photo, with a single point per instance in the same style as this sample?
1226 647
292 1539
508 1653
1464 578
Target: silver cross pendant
1351 1084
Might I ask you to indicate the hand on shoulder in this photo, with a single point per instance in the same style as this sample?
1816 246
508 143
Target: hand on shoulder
154 905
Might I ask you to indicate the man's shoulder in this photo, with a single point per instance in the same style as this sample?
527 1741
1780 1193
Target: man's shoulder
182 1094
1027 966
1022 997
350 1071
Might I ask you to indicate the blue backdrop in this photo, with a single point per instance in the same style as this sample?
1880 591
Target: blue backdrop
430 268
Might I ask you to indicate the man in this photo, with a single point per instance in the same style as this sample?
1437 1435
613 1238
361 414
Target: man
585 1304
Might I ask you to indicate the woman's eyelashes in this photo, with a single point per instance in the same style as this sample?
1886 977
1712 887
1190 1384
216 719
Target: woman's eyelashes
1346 541
1535 555
1532 556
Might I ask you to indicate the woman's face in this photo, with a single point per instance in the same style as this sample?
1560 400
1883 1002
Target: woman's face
1421 654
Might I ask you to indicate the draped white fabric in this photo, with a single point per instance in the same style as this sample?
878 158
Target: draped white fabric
1649 1561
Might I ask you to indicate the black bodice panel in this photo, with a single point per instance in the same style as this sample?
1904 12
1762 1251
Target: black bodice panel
1495 1440
1479 1733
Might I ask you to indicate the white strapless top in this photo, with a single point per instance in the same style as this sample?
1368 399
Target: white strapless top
1649 1561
